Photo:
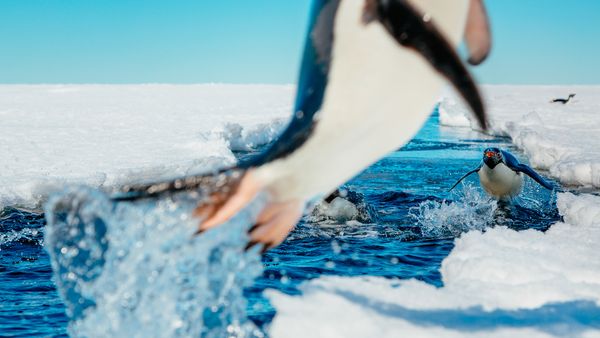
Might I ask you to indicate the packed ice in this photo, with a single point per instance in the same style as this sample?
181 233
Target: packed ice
106 135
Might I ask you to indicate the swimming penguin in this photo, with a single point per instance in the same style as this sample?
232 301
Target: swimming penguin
501 174
563 101
343 205
370 75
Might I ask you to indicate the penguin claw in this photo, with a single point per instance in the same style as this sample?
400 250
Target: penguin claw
222 208
274 223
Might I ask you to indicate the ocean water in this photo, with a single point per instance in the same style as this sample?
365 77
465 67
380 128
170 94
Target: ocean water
204 286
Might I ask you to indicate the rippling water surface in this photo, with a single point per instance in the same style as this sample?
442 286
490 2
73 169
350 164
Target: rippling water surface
137 268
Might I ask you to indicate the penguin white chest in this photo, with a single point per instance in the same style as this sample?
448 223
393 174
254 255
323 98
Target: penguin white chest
500 182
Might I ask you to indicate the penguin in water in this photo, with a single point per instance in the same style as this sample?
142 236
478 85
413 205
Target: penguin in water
563 101
370 75
501 174
343 205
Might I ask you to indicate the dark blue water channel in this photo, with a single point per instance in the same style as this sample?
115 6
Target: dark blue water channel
398 240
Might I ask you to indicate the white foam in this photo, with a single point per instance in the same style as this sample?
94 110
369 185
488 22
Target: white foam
106 135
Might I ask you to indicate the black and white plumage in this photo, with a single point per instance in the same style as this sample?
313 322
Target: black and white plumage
563 101
370 74
501 174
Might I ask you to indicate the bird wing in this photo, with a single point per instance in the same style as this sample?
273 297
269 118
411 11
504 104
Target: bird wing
525 169
465 176
515 165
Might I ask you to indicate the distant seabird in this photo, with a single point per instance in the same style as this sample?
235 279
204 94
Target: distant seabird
563 101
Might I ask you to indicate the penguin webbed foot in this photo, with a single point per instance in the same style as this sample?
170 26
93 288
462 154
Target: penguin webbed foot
272 225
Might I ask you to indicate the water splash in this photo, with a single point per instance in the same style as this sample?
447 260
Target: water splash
26 234
472 210
17 226
137 270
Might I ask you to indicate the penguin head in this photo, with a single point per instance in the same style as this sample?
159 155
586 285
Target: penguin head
492 157
571 95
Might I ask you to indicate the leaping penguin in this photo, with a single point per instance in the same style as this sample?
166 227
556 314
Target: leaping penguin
370 75
501 174
563 101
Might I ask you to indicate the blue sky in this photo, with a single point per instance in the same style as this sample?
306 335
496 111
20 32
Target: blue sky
258 41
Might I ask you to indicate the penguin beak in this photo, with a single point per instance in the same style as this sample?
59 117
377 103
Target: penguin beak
489 154
416 31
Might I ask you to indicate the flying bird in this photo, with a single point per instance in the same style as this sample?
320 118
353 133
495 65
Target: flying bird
370 74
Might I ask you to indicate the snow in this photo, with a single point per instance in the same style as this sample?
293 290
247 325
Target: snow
562 139
106 135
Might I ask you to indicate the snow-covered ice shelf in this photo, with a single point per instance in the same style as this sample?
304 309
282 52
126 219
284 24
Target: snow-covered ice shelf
105 135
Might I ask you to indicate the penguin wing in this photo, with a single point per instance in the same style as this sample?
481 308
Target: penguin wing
408 26
515 165
312 82
465 176
525 169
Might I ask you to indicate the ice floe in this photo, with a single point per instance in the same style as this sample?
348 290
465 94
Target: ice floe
106 135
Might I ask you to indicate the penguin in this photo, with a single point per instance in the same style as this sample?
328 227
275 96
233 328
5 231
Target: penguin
343 205
370 74
563 101
501 174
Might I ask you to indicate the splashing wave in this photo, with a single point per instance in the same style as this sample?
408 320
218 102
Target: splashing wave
138 270
472 210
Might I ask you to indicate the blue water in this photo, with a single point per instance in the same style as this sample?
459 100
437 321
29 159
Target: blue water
414 221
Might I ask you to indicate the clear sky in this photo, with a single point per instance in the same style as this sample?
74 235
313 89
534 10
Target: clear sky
257 41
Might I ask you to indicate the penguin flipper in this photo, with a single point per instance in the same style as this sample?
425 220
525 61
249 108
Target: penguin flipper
465 176
525 169
514 164
407 26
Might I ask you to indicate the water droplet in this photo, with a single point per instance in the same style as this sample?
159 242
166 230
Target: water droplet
335 246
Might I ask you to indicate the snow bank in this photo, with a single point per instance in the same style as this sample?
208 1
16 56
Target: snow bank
106 135
562 139
498 283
